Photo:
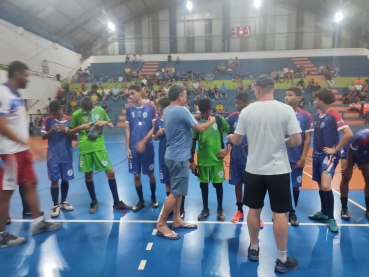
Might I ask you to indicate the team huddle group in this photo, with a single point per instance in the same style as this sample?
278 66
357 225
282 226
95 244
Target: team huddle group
144 126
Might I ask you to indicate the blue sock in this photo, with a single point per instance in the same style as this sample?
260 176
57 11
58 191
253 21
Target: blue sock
55 195
64 187
114 191
329 202
91 190
153 189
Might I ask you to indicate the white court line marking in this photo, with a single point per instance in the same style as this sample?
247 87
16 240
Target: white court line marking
195 222
154 232
149 246
350 200
142 265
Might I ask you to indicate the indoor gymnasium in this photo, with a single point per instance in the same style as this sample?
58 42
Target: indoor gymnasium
184 138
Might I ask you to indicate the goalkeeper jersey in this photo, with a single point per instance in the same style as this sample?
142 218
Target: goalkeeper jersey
79 118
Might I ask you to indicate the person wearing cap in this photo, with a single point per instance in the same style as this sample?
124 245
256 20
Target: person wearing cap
265 124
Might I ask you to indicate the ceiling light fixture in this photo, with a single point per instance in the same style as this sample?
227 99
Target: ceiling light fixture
111 27
189 5
257 3
338 17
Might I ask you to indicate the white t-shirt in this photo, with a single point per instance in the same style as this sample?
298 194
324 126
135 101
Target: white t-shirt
120 79
12 107
196 85
106 91
265 124
166 89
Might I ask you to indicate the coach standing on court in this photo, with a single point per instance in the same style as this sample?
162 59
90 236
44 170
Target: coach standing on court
178 123
265 123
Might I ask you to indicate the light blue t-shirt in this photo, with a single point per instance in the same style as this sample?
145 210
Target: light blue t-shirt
223 89
178 123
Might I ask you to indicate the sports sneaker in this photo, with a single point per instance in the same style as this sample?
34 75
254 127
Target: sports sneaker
55 211
93 206
65 206
345 214
261 224
253 255
154 202
8 240
44 226
290 264
367 215
220 215
236 218
138 207
292 218
318 216
333 226
122 206
8 221
204 214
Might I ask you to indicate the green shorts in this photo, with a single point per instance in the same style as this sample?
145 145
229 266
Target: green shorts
214 174
99 159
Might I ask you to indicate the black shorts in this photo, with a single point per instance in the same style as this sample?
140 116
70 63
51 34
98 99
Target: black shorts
277 186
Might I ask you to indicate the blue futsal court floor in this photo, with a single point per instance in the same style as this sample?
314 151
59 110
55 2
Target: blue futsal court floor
116 243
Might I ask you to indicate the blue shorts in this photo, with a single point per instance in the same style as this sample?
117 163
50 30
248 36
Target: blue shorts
361 157
344 151
144 161
296 176
237 173
164 175
324 163
58 171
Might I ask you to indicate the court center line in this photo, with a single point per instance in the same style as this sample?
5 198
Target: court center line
195 222
142 265
349 199
149 246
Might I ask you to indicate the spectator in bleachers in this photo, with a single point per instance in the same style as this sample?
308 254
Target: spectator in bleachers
46 108
362 98
223 92
240 87
286 69
196 87
347 98
289 76
73 80
106 93
127 59
125 94
197 76
303 71
190 75
178 60
316 87
358 88
177 76
222 69
79 73
87 72
120 79
144 81
217 70
237 62
111 79
358 81
38 120
281 76
302 103
166 89
336 71
329 78
100 92
351 87
127 71
321 70
230 63
94 98
115 93
216 92
247 75
366 111
275 75
85 92
301 83
237 77
210 93
230 71
328 69
169 59
209 77
134 58
73 103
355 107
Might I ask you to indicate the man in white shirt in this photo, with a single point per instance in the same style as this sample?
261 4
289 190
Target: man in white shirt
17 164
265 124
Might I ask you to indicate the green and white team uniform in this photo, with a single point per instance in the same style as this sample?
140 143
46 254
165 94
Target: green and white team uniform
92 153
209 144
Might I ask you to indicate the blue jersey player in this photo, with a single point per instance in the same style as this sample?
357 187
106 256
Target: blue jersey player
159 134
355 152
238 156
326 153
59 155
140 149
297 155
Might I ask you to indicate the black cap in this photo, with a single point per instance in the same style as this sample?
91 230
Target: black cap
264 81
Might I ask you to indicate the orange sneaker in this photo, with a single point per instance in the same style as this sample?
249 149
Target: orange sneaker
261 224
237 217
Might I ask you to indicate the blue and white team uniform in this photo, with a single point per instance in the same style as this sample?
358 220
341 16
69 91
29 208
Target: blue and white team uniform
360 144
238 154
326 134
140 121
294 153
164 171
59 151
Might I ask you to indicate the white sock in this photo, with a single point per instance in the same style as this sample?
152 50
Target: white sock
37 220
254 247
282 256
2 232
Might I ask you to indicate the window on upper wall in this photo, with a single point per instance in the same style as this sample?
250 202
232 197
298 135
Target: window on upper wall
208 26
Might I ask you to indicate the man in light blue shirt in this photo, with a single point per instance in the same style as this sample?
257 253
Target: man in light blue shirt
178 123
223 90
